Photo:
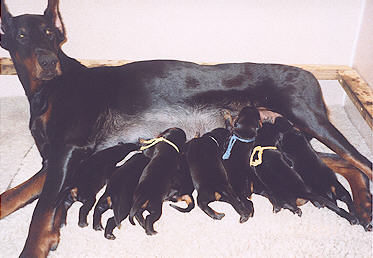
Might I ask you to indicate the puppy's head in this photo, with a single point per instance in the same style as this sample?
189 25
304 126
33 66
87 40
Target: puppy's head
175 135
247 123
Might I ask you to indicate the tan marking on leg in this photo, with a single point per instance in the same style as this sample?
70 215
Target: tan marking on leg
217 196
18 196
361 196
186 198
74 193
47 115
145 204
332 188
108 199
300 202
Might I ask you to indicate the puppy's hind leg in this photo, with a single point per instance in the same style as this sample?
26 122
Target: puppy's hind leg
343 195
203 200
103 205
155 214
245 210
110 225
84 210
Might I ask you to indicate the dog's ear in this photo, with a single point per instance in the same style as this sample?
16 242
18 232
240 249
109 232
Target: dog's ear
52 13
5 22
283 124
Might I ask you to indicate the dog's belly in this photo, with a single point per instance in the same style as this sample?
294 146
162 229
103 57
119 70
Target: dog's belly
154 121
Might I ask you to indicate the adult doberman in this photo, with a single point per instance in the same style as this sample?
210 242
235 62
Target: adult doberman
77 111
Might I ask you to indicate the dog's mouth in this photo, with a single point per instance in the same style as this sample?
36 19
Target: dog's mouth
47 75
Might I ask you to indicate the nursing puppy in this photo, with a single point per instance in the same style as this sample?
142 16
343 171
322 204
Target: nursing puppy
244 128
236 157
156 181
276 171
183 187
209 176
118 194
318 176
92 175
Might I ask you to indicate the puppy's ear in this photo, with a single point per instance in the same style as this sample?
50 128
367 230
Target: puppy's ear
283 124
52 13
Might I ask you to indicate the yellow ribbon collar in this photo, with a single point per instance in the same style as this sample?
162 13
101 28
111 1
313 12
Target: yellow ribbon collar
154 141
259 150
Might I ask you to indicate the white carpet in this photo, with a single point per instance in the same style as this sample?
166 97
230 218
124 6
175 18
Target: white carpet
318 233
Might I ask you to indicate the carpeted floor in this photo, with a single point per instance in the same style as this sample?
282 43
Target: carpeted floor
318 233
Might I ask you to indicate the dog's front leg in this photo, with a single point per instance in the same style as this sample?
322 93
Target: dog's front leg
22 194
44 232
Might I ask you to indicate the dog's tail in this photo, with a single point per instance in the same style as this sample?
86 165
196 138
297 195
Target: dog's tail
189 200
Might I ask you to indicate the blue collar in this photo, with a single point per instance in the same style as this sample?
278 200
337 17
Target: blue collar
232 140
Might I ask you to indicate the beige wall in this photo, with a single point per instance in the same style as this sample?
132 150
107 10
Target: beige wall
288 31
363 58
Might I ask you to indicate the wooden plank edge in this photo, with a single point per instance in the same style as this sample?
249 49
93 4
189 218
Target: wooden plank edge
321 72
360 93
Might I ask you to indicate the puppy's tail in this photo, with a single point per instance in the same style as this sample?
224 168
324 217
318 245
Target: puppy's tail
189 200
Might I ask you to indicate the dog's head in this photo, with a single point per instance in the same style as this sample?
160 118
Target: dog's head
33 42
247 123
175 135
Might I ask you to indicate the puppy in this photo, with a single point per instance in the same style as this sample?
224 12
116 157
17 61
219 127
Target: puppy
92 175
183 187
209 176
276 171
318 176
235 159
118 194
155 184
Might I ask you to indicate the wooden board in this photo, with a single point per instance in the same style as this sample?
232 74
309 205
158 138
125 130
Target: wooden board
360 93
321 72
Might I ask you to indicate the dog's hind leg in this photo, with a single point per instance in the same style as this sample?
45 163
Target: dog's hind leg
344 214
359 183
102 205
343 195
314 121
155 214
84 210
204 199
110 225
245 210
23 194
292 206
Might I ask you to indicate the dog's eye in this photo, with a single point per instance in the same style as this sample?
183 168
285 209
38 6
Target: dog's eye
22 37
49 33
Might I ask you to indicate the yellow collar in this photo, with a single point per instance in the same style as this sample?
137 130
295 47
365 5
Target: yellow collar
259 150
154 141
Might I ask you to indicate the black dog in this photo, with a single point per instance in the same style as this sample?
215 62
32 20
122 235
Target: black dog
156 182
209 176
91 109
236 158
318 176
183 187
92 175
118 194
276 171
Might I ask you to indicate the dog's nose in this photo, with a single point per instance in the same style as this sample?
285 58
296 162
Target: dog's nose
47 59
